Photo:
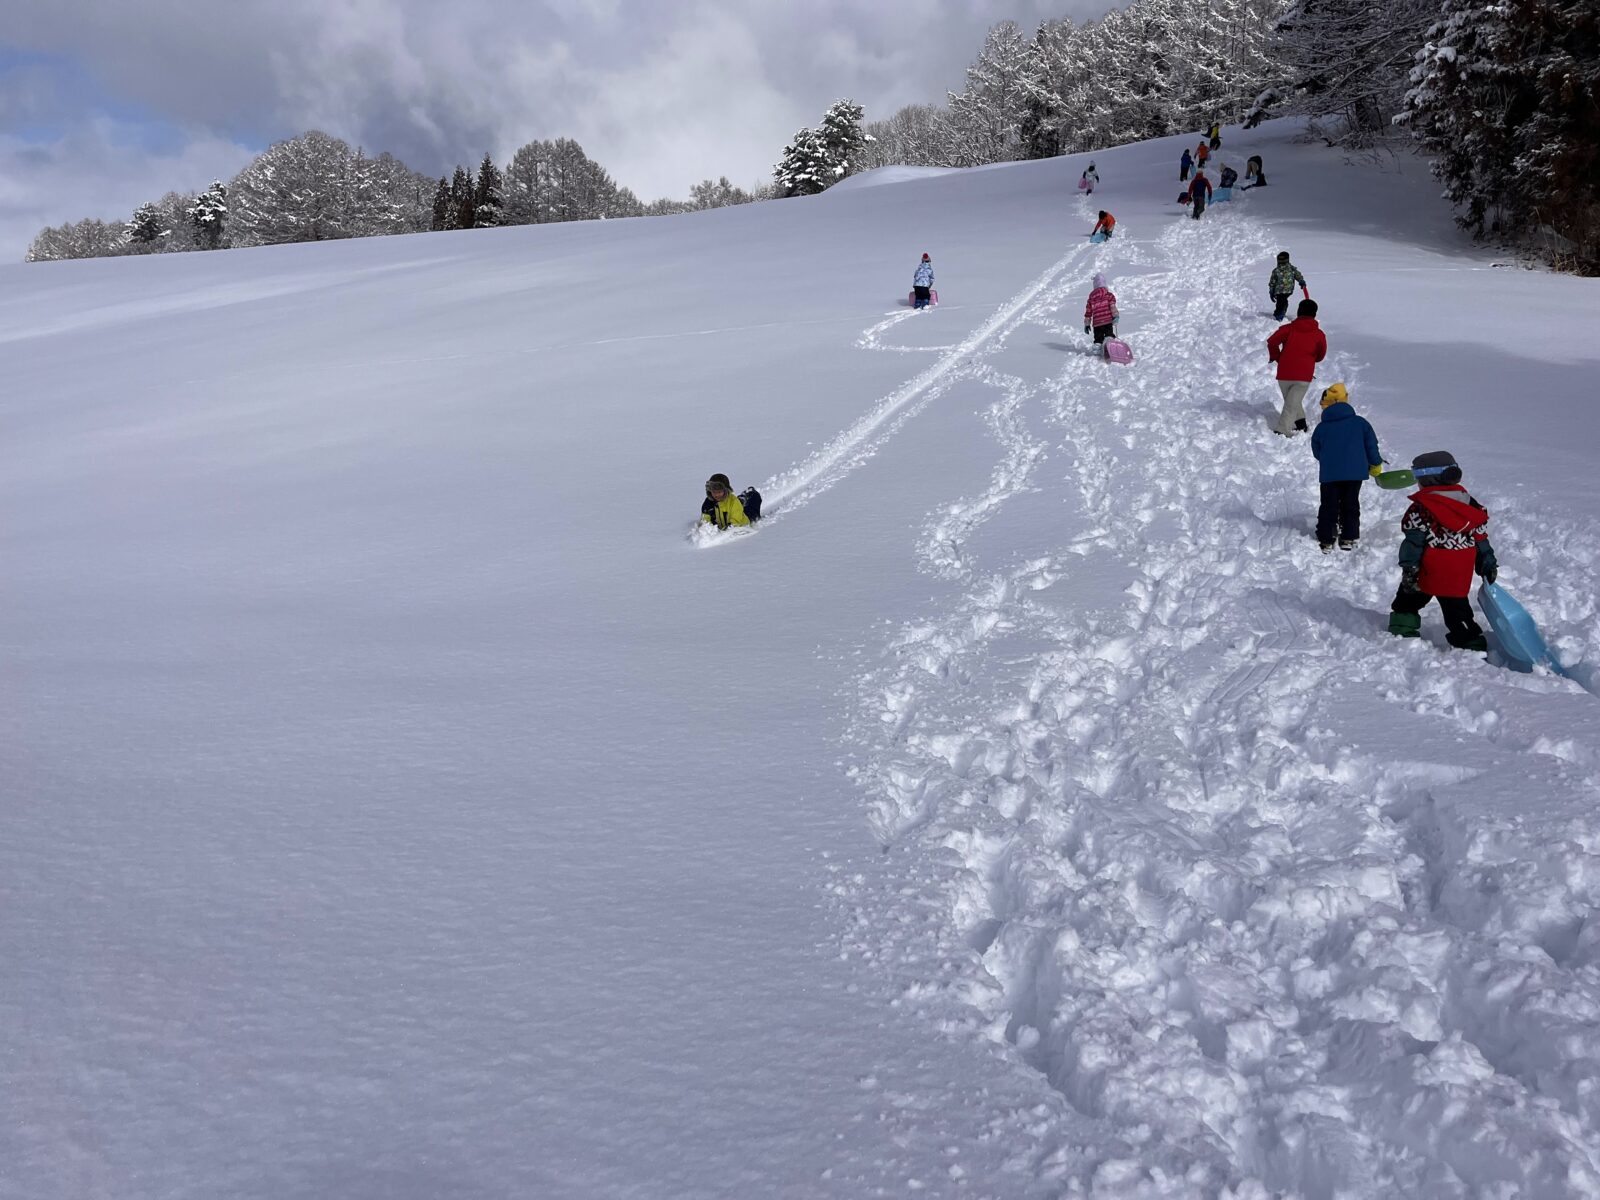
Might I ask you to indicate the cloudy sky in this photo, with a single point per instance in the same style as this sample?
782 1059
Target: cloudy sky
106 103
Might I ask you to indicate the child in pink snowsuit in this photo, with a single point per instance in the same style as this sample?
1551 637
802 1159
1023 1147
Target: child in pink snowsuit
1100 313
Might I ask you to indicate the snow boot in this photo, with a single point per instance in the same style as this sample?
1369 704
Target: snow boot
1325 547
1347 543
1406 625
1300 426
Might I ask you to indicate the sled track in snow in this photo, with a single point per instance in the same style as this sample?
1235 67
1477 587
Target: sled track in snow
799 485
1246 949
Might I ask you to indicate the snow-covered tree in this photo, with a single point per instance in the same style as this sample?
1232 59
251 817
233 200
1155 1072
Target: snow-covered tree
556 181
818 158
1506 95
461 199
488 196
441 205
1351 59
806 167
297 191
208 216
917 135
843 137
147 228
988 114
81 239
718 193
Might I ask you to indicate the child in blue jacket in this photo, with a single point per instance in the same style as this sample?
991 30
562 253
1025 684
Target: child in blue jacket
1347 449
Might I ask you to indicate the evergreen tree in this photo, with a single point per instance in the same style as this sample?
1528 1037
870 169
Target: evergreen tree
208 215
441 204
1507 96
843 137
146 228
461 199
488 197
806 167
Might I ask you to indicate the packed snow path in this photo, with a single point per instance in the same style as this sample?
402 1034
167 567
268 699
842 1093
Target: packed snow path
1262 892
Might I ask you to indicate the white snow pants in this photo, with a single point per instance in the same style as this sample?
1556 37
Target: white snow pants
1294 408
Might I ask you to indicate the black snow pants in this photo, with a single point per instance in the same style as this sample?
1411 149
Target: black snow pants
1339 514
1461 631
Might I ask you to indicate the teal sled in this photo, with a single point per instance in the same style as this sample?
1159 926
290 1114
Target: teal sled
1518 635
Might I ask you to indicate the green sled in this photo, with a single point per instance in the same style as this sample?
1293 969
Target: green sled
1395 480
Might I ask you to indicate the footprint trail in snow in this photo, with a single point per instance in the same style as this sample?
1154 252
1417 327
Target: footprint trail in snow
1257 889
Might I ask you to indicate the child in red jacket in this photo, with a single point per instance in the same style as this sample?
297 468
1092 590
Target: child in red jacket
1297 348
1446 540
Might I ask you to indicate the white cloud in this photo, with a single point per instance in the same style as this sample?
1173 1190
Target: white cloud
662 93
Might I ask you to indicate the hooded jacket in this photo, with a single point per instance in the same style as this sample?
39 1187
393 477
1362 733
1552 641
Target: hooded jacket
1447 536
924 275
1283 278
1195 184
723 513
1101 308
1297 348
1344 445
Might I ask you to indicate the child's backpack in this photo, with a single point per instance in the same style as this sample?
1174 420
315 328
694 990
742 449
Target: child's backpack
751 499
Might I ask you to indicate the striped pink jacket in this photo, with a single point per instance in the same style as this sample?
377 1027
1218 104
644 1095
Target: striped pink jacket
1101 308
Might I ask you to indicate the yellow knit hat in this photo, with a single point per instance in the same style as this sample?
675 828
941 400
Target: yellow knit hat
1335 395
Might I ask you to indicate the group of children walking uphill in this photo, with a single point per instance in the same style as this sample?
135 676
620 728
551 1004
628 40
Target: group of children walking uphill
1445 537
1444 533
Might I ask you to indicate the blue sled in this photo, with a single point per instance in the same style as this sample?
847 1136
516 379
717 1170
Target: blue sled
1518 635
1098 237
1222 194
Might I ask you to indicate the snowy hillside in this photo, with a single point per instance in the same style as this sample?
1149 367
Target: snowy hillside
399 802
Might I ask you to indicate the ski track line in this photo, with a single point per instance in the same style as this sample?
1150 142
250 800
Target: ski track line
1244 953
836 460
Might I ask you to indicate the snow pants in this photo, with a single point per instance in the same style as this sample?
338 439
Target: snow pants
1183 174
1339 514
924 294
1280 307
1199 204
1293 418
1102 332
1461 631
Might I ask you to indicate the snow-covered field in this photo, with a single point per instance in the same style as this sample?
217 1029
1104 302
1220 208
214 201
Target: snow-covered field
398 802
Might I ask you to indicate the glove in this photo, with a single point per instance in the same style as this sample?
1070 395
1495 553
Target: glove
1408 577
1088 328
1489 574
1375 470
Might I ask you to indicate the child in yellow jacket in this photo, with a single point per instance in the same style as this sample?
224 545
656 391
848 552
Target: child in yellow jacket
721 507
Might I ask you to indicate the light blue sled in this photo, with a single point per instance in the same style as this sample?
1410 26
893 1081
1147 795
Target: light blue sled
1222 194
1516 631
1098 237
